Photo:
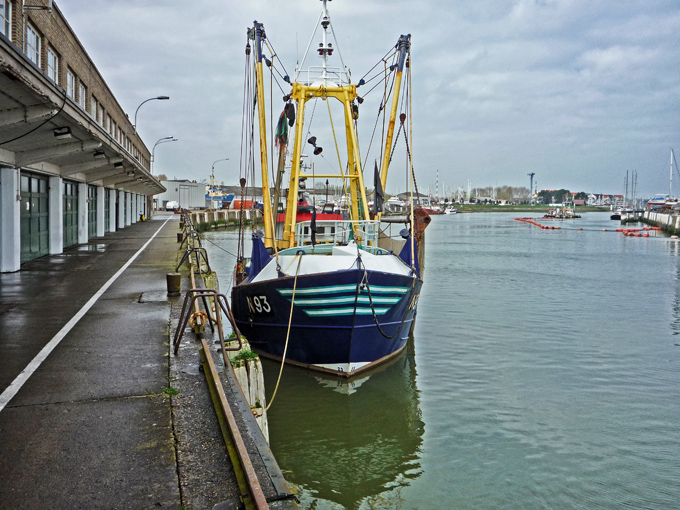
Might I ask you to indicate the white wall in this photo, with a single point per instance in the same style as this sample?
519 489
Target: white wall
10 220
121 207
82 213
101 213
56 212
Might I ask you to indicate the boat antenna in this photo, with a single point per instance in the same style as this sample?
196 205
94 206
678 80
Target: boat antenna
337 47
325 48
304 57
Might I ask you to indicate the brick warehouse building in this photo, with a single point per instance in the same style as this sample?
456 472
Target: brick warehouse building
72 166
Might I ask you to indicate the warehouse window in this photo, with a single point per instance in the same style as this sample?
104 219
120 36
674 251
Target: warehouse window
70 84
82 95
5 18
52 65
32 44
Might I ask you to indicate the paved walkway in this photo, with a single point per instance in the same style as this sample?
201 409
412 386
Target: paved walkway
92 427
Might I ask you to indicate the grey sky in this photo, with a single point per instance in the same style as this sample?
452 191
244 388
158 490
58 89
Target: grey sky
578 91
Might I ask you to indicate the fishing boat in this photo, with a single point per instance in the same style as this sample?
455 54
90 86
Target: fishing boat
319 289
215 196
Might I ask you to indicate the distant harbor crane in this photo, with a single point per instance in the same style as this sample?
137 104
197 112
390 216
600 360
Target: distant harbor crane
531 185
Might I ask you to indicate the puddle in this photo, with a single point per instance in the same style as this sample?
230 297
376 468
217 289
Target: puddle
93 247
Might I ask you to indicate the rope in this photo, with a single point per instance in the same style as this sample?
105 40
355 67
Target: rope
218 246
384 59
364 282
197 317
413 172
337 150
335 138
285 348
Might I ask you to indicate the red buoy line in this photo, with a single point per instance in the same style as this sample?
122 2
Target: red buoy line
628 232
638 232
532 222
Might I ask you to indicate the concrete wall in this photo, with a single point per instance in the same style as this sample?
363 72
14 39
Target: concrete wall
670 222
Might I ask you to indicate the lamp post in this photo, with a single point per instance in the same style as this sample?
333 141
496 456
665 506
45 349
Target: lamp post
162 140
162 98
212 172
213 165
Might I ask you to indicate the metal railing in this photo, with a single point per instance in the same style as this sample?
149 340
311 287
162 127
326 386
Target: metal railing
190 302
364 233
252 494
333 76
192 239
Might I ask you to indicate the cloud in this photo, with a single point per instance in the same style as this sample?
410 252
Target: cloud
578 91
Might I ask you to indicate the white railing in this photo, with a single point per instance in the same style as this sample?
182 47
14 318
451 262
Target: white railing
334 76
365 233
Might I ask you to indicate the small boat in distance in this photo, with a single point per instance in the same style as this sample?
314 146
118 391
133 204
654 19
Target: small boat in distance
561 213
451 210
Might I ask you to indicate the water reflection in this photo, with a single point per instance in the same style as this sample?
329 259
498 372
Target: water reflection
349 444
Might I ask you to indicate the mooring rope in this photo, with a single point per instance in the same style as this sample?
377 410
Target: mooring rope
290 320
364 282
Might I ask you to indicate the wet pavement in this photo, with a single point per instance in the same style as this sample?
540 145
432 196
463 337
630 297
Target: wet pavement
95 426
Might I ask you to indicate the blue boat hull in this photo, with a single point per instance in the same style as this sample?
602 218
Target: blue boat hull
338 325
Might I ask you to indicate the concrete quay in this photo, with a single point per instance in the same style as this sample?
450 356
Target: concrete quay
89 414
670 223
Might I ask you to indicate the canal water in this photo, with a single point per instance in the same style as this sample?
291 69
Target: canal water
544 372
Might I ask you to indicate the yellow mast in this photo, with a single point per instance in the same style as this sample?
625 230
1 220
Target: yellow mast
259 35
345 94
324 87
403 47
298 95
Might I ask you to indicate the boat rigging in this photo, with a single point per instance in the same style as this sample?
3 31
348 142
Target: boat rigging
320 289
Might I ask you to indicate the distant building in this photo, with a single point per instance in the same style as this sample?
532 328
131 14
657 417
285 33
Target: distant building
188 194
601 199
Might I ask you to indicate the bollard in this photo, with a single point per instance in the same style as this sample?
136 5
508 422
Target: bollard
174 281
180 237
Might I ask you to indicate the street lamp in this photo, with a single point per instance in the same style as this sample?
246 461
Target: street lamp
162 140
212 173
213 165
162 98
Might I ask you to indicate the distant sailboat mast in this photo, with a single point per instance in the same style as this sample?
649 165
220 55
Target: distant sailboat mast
670 188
